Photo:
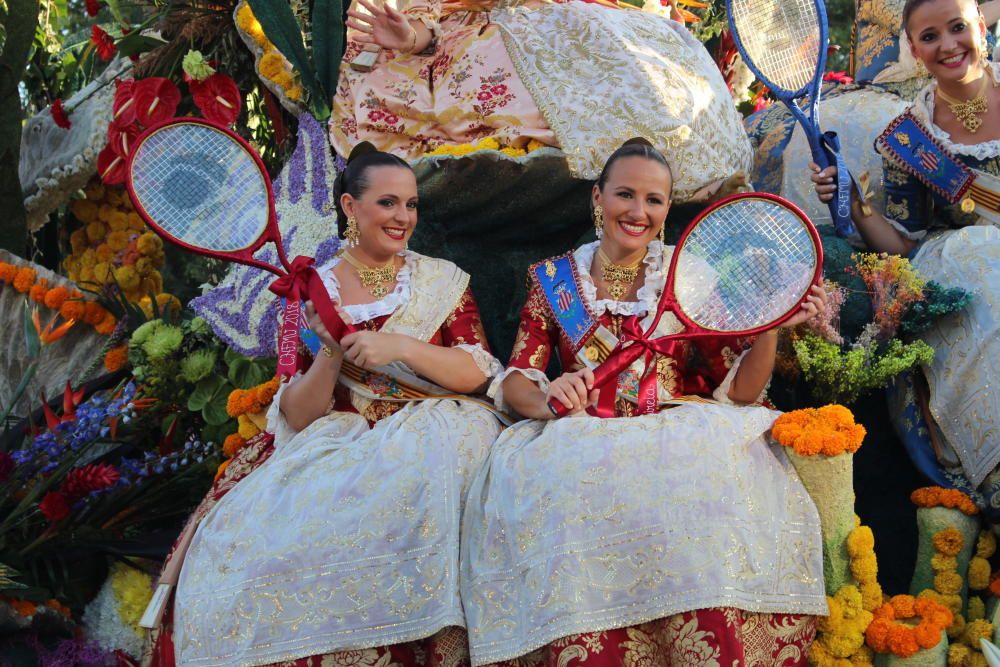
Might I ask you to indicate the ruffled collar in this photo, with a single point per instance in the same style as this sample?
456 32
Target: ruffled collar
647 296
387 305
923 110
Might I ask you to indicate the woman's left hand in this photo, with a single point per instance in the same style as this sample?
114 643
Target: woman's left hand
383 26
371 349
814 304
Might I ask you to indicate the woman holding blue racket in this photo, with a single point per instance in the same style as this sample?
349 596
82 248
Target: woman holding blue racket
941 161
670 532
346 537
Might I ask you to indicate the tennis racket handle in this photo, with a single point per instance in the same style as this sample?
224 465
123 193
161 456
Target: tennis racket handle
601 375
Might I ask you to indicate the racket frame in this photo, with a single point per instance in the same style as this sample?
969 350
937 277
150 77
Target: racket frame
243 255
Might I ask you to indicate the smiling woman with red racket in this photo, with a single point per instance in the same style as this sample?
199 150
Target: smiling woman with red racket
673 519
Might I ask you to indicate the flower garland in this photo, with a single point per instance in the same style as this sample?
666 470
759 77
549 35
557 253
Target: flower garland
829 430
488 144
887 635
248 406
273 68
841 635
936 496
114 246
112 618
69 303
947 589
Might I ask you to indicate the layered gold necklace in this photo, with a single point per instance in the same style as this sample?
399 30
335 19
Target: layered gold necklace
375 278
618 277
968 112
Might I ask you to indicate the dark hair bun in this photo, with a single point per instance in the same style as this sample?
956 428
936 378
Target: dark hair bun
641 141
361 149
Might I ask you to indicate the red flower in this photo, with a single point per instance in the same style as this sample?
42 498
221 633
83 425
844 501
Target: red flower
376 115
124 104
122 139
93 6
217 97
94 477
500 89
54 506
59 115
156 99
103 42
391 119
839 77
483 96
111 166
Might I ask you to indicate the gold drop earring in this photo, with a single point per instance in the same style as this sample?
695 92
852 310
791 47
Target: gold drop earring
352 234
599 221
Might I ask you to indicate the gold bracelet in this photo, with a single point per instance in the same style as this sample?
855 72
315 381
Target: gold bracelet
413 45
328 351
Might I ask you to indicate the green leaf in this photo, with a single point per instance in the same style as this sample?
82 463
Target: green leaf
116 11
281 28
245 373
7 575
231 356
204 392
136 43
328 42
214 411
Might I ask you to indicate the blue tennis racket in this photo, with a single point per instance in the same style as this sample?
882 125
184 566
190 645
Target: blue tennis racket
784 43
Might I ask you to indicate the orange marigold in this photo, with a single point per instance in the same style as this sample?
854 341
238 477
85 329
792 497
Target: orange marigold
24 607
73 309
116 358
234 401
233 444
7 272
106 325
936 496
93 313
829 430
38 290
24 279
948 541
903 606
886 635
55 297
222 468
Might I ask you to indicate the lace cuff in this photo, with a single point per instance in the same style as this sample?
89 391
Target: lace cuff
276 422
913 236
496 388
486 362
721 393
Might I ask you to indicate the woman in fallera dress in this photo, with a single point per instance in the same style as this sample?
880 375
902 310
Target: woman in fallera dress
678 537
951 237
342 546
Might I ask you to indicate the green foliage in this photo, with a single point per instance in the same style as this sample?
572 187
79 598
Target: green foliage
327 42
938 302
838 375
192 373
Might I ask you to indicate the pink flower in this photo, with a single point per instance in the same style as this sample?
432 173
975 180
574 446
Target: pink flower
59 115
391 119
376 115
500 89
484 96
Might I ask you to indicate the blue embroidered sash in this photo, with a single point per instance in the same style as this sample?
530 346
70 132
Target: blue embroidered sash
558 281
910 145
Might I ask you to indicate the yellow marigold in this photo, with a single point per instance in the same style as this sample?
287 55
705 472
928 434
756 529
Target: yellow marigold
94 190
283 79
166 303
977 660
115 196
953 602
116 358
947 583
871 595
979 573
831 623
144 266
24 279
88 258
860 540
942 563
948 542
84 210
149 243
294 93
986 545
272 64
118 240
863 657
105 253
104 273
127 277
534 145
118 221
864 567
78 241
135 222
249 24
513 152
976 630
247 429
96 231
958 655
936 496
977 608
489 143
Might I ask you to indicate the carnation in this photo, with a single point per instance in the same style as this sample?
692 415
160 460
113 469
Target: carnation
164 342
197 365
145 331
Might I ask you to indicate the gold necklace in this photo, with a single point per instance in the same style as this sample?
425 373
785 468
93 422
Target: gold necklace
968 112
619 278
375 278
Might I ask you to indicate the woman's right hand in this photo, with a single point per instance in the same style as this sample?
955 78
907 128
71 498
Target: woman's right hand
574 390
825 181
385 27
318 328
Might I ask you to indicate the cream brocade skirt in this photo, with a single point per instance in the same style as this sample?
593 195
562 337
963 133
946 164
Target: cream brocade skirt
964 389
585 524
346 538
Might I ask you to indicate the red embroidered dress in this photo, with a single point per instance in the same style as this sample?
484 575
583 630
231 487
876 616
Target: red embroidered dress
345 537
679 537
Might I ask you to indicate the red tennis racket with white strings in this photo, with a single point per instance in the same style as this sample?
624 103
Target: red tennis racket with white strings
204 188
743 266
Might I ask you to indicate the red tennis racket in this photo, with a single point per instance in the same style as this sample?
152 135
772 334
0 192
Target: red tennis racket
204 188
743 266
